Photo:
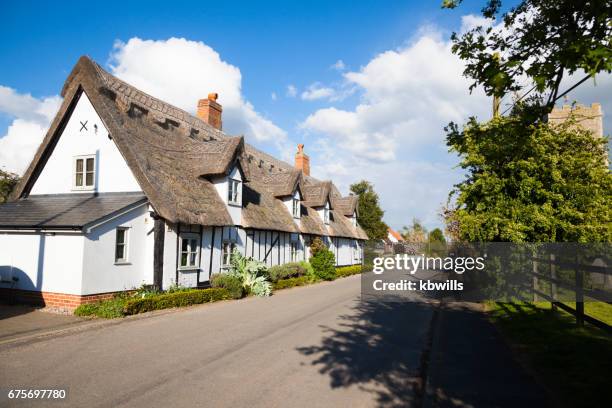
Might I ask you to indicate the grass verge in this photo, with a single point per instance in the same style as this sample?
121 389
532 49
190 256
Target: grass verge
573 362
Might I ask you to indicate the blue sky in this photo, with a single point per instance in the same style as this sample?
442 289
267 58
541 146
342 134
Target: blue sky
396 87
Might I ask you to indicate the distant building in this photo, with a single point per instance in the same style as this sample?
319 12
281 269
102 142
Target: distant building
588 117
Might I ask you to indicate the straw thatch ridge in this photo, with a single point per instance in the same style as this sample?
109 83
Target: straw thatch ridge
175 157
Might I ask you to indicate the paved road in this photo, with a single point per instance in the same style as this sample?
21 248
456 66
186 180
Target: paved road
315 346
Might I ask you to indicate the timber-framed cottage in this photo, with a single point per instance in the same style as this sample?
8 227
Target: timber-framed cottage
127 190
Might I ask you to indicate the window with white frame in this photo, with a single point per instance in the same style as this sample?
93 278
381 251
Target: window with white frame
295 251
189 251
356 250
226 253
121 245
326 214
296 208
84 177
233 191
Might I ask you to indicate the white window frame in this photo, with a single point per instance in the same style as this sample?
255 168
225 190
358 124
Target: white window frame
233 191
356 251
295 203
189 237
84 172
226 256
294 251
326 214
126 245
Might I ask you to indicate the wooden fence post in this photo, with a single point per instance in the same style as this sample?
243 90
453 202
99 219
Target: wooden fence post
535 280
553 285
579 293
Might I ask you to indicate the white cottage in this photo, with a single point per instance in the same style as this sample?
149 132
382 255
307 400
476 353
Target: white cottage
127 190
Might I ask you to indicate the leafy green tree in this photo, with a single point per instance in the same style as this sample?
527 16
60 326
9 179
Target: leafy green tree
531 183
541 40
436 236
8 181
370 213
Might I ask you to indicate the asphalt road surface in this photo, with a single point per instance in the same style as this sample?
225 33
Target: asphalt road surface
316 346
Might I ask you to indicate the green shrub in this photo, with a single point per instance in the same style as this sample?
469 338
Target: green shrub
252 273
232 283
323 263
344 271
290 270
176 299
107 309
291 282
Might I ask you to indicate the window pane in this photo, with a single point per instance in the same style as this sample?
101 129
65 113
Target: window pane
120 236
79 180
79 165
192 259
183 259
90 164
89 179
119 252
184 245
193 246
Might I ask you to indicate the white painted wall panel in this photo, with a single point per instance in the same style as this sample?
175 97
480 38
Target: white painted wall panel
42 262
100 272
112 172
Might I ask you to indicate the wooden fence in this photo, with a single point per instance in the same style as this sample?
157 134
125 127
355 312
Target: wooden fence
577 287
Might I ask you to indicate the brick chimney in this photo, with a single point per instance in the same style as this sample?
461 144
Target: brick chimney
302 161
210 111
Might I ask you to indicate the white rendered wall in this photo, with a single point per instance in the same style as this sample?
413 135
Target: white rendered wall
42 262
100 272
112 172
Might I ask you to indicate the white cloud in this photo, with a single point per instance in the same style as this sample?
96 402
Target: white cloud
292 91
394 136
318 91
31 118
273 96
471 21
181 72
338 65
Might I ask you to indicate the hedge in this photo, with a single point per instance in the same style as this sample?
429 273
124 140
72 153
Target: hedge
344 271
289 270
291 282
232 283
176 299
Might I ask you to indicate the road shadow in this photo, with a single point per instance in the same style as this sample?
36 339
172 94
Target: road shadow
472 366
379 347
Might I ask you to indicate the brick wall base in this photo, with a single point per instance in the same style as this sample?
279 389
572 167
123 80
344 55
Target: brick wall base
50 299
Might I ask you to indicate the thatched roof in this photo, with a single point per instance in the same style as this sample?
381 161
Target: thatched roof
174 156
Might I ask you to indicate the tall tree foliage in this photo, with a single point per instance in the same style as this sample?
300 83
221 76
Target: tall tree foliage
541 40
8 181
370 213
534 183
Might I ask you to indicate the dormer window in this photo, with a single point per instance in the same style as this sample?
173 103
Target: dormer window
326 214
84 173
296 208
233 191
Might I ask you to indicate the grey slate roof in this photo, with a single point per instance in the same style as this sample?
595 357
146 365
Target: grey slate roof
64 211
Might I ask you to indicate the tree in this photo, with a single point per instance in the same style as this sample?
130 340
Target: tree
416 233
531 183
8 181
370 214
541 40
436 236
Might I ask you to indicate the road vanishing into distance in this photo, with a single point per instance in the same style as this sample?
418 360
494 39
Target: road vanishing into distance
314 346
